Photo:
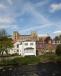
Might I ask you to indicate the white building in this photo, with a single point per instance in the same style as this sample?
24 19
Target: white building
24 48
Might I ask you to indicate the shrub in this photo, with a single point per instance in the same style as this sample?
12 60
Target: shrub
58 49
27 60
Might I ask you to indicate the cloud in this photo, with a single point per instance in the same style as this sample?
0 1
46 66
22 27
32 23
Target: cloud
34 28
17 14
40 20
58 32
27 7
55 7
41 3
43 35
6 20
5 26
37 15
10 2
2 7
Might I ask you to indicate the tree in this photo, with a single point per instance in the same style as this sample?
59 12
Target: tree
58 49
57 38
47 39
3 33
5 42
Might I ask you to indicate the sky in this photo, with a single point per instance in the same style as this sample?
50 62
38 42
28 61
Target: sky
24 16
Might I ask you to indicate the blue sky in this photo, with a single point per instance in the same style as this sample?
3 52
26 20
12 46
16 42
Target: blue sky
24 16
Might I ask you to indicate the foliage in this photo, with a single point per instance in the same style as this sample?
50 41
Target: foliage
31 60
48 39
5 42
58 58
5 62
27 60
57 38
3 33
58 49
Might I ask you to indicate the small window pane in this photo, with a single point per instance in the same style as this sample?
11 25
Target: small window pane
26 43
31 43
17 45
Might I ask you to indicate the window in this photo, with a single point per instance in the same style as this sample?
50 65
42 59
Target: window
28 51
17 50
17 45
31 43
26 43
21 43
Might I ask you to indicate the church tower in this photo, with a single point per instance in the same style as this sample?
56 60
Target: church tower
16 36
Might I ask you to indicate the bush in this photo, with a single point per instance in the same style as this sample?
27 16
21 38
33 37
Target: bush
7 62
27 60
47 58
30 60
58 58
58 49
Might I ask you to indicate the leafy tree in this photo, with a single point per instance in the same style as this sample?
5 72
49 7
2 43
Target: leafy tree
57 38
5 42
58 49
3 33
47 39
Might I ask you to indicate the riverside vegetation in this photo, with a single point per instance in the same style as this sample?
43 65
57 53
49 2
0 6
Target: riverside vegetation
6 42
28 60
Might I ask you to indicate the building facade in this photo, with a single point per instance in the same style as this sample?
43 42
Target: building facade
42 44
24 48
18 37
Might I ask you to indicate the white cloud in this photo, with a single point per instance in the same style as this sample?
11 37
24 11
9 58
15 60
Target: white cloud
43 35
6 20
58 32
40 20
2 7
10 2
3 26
9 27
55 7
27 7
41 3
34 28
12 14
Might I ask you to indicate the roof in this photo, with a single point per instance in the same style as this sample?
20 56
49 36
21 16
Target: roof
25 35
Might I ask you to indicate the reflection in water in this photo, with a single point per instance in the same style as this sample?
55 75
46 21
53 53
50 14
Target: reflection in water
48 69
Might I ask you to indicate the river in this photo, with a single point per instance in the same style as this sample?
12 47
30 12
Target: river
42 69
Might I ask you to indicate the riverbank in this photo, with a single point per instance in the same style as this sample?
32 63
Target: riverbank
29 60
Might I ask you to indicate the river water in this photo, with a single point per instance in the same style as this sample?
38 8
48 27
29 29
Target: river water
42 69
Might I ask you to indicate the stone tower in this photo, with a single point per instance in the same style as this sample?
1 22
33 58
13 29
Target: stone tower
16 36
